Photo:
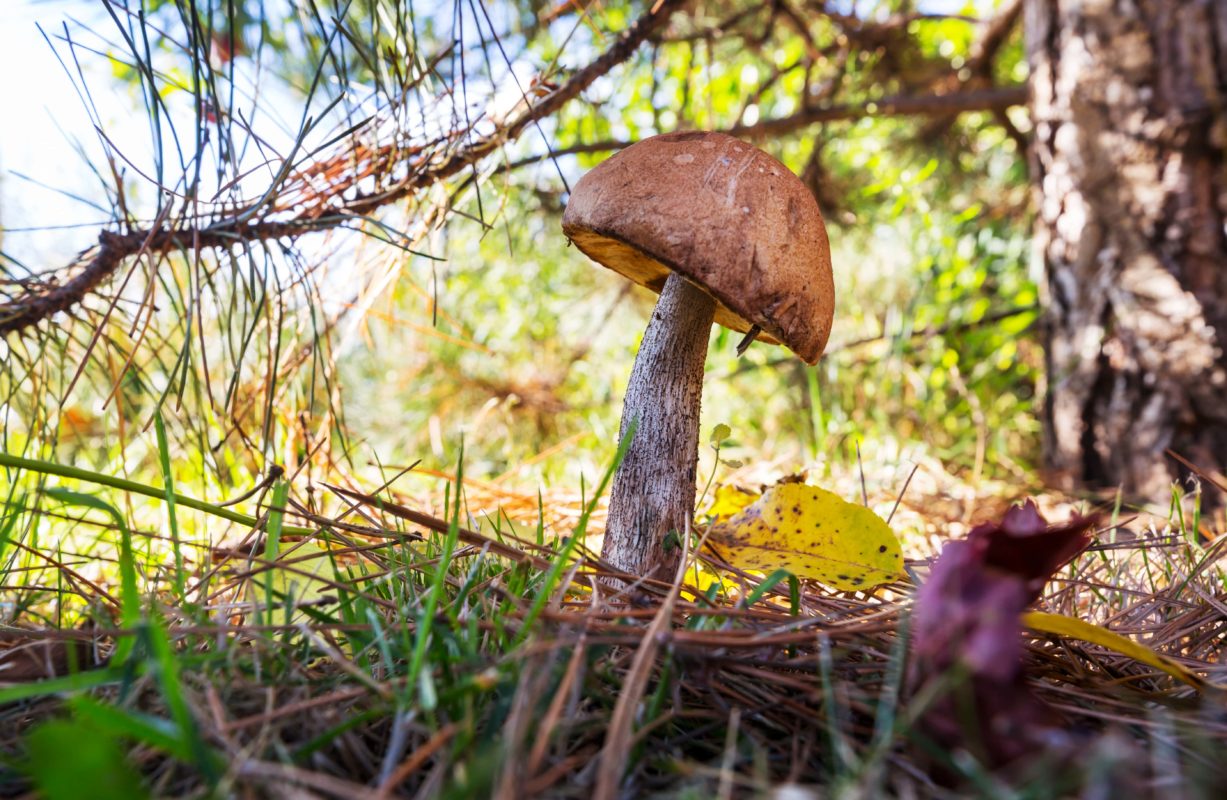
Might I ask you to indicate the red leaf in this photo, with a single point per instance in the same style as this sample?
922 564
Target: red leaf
1024 545
966 619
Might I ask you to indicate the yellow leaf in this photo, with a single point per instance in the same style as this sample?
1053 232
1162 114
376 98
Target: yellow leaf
699 579
812 533
728 500
1094 634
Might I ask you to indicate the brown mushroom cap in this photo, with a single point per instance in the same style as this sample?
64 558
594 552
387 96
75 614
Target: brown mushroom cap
722 213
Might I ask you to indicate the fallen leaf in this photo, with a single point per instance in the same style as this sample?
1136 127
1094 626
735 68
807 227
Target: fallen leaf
728 500
968 621
1074 628
812 533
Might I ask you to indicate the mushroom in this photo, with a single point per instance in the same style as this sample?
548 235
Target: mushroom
722 232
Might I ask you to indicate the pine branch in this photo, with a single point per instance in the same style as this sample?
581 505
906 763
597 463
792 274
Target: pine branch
43 299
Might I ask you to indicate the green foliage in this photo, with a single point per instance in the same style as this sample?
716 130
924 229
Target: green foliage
65 756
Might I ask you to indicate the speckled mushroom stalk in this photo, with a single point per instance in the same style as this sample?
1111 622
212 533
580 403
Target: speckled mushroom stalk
654 487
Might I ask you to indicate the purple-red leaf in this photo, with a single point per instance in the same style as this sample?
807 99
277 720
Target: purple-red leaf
1024 545
966 621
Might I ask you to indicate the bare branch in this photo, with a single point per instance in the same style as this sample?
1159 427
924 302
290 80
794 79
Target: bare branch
930 332
992 36
896 106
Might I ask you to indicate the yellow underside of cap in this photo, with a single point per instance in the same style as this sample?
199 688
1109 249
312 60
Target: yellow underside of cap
643 269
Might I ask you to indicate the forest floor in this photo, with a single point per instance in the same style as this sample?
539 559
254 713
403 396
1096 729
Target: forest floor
435 653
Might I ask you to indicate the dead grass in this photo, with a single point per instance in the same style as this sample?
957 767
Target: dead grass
506 668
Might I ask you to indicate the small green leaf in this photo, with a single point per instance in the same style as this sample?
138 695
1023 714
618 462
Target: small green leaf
118 724
720 433
67 760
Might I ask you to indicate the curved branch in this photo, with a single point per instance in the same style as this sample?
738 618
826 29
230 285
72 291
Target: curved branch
993 36
102 261
896 106
997 99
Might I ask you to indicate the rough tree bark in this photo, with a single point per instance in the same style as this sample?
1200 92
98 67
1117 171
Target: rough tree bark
1130 132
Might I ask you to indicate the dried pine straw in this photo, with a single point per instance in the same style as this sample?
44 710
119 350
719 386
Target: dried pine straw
525 689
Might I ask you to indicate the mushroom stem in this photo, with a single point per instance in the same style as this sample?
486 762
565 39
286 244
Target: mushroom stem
653 489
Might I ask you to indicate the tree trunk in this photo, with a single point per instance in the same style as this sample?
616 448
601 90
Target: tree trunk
1130 131
653 489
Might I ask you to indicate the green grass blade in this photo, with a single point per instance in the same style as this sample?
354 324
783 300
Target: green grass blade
169 483
166 669
64 757
132 487
129 594
272 545
563 557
